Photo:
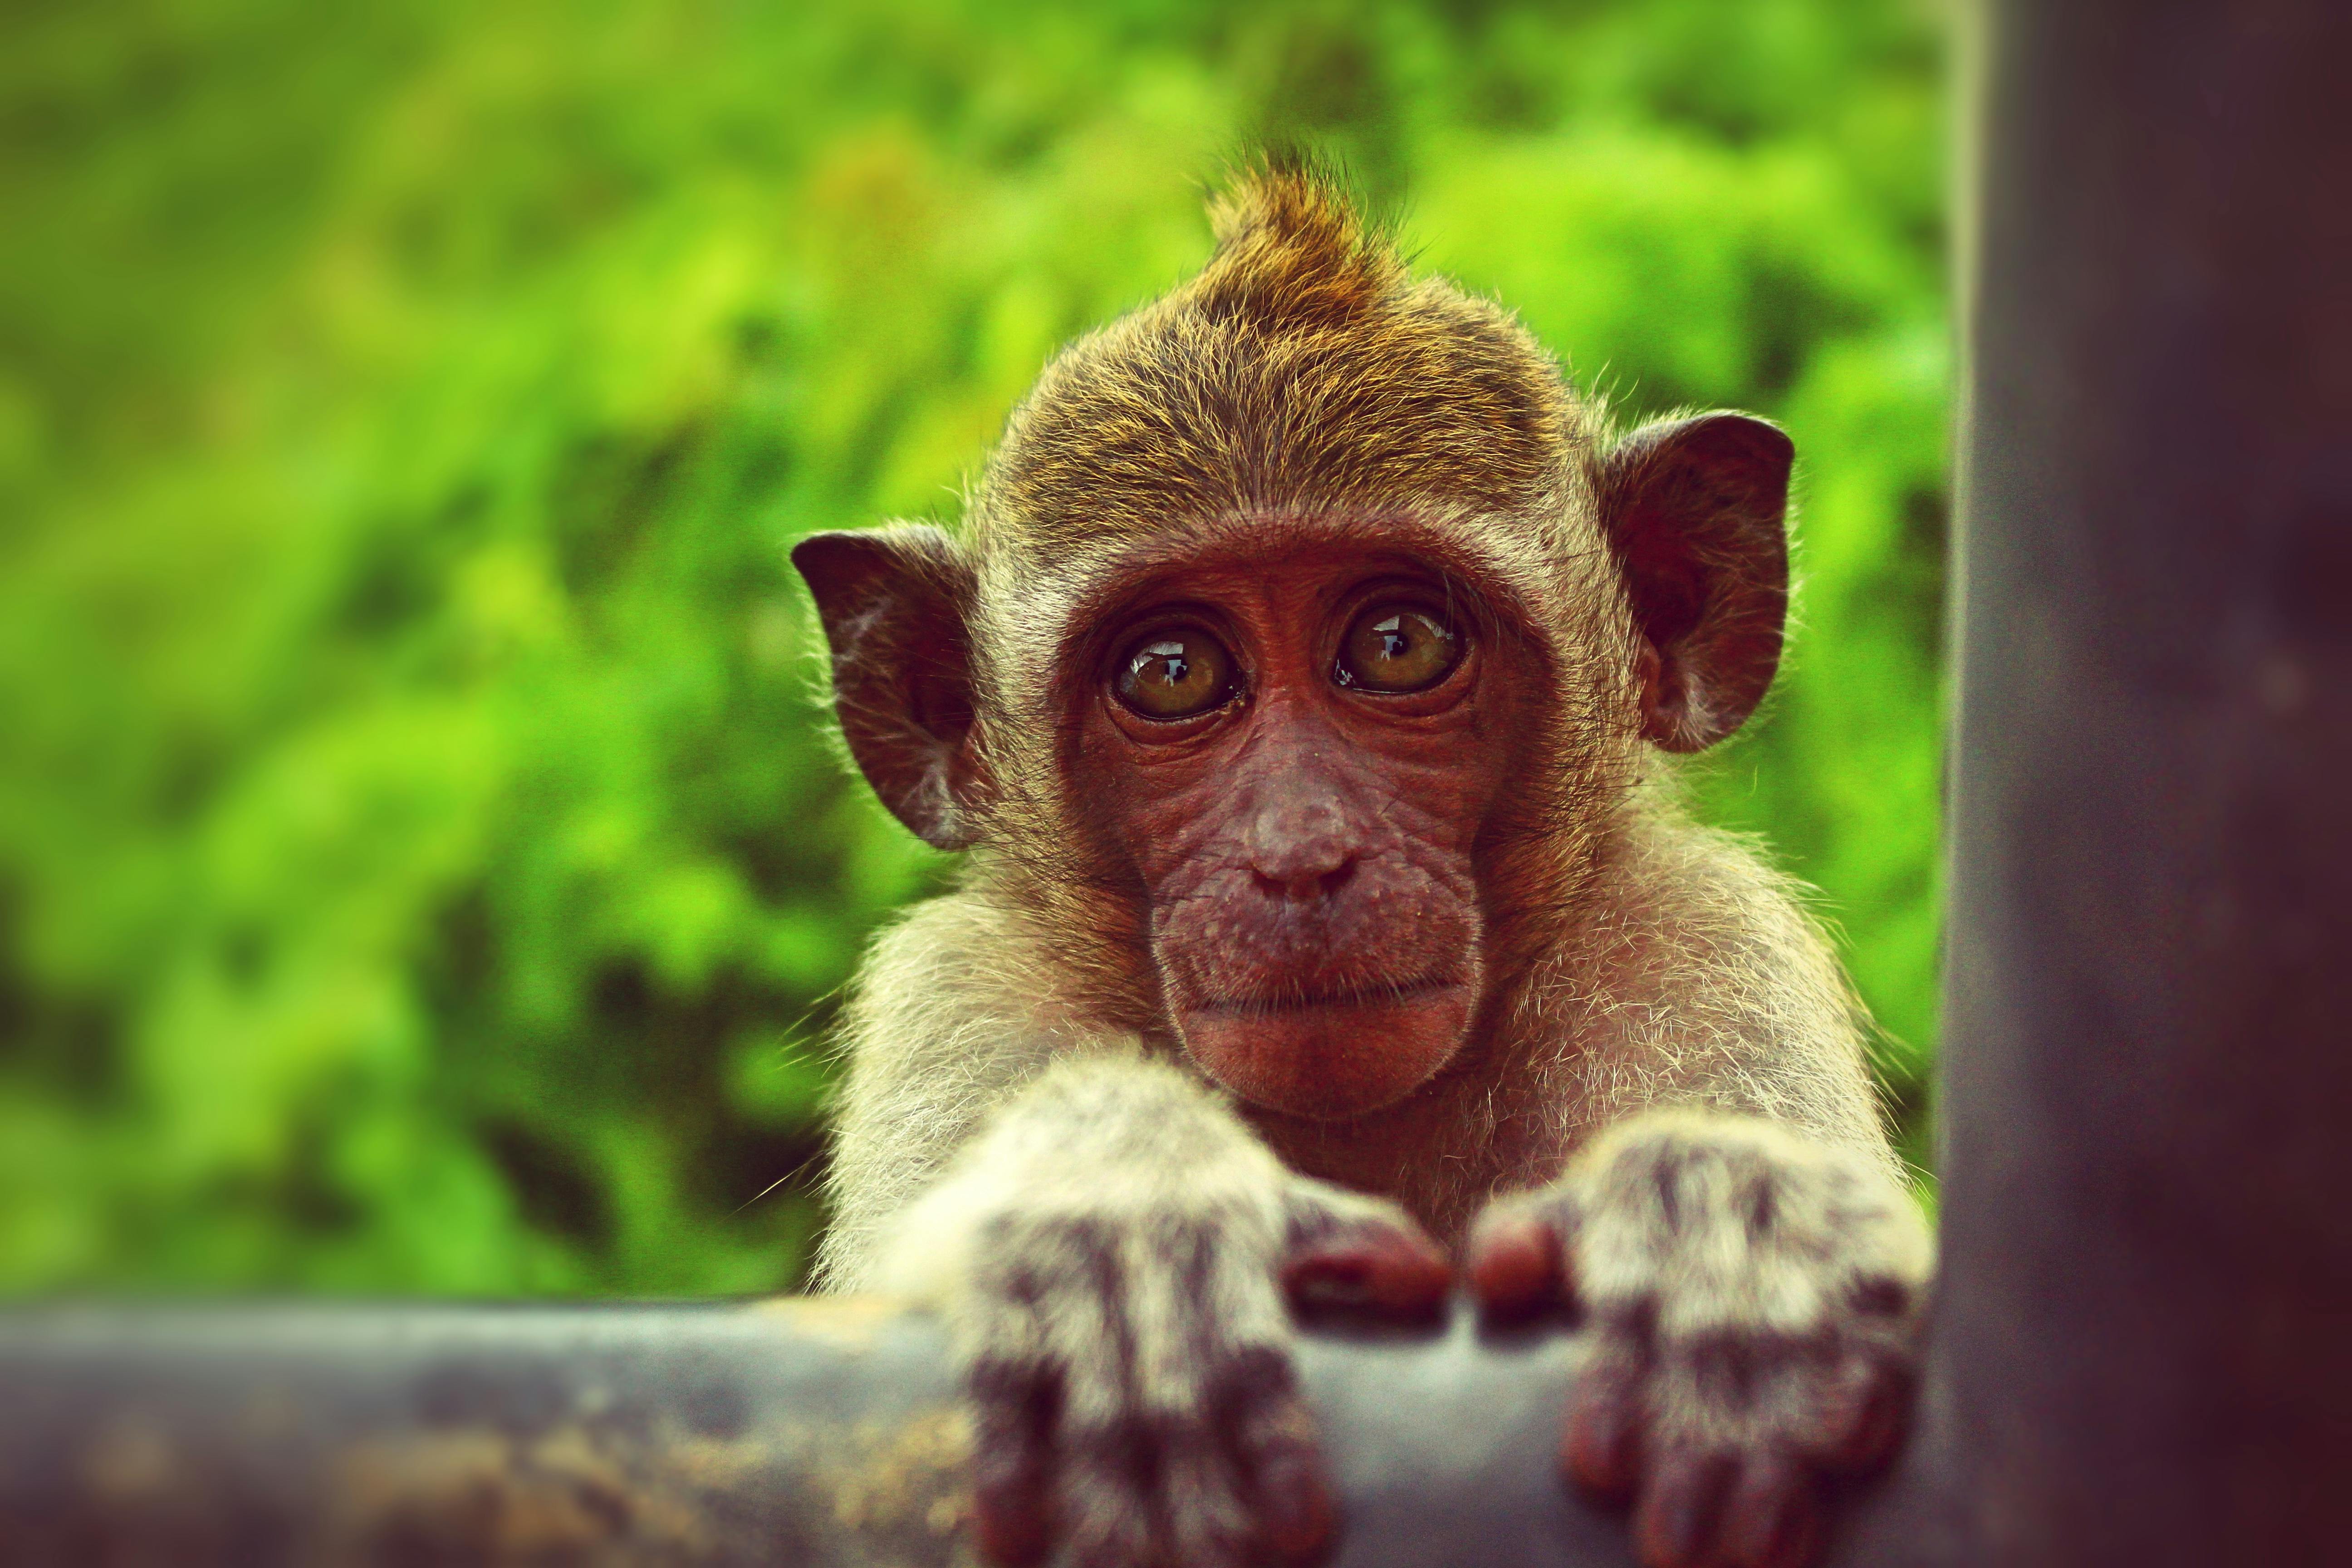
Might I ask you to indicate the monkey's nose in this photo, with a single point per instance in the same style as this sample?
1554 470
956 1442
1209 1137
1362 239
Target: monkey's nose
1302 853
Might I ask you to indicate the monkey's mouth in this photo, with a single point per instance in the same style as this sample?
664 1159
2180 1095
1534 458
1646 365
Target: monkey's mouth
1382 993
1329 1055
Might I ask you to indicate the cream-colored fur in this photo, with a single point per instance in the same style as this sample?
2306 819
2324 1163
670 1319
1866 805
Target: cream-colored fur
1699 981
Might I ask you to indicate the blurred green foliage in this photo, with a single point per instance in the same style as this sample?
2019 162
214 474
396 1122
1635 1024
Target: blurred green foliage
421 863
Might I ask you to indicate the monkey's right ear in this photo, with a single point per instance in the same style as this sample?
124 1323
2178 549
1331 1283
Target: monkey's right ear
894 603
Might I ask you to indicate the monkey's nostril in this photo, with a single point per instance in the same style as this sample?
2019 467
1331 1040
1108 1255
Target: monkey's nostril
1305 884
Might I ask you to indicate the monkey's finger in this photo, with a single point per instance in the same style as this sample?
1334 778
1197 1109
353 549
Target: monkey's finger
1518 1263
1013 1495
1210 1523
1602 1447
1863 1417
1382 1269
1011 1514
1346 1253
1276 1449
1296 1504
1107 1515
1771 1519
1679 1519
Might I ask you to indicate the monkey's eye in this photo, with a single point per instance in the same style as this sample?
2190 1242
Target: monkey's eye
1397 648
1174 674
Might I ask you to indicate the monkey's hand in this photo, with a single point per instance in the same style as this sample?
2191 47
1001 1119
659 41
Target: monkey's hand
1753 1300
1114 1255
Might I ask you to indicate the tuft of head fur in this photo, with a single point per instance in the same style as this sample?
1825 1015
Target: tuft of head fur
1303 369
1292 251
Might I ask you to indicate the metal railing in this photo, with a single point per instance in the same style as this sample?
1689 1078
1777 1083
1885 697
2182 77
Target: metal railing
811 1433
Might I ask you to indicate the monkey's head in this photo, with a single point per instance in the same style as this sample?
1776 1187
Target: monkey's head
1295 661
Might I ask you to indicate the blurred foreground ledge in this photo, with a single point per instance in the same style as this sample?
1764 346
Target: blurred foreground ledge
806 1431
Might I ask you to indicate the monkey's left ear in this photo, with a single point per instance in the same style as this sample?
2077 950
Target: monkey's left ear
1696 510
894 603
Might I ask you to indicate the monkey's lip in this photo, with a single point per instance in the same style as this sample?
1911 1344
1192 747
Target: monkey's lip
1332 1055
1384 995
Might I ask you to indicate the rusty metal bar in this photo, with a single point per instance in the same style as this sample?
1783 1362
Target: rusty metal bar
2141 1353
813 1432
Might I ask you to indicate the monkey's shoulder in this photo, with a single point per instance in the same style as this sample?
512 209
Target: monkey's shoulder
963 978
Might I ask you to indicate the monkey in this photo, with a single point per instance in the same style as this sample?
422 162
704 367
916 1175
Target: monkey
1302 683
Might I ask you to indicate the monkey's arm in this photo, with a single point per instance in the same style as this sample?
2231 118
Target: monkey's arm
1111 1254
1752 1273
1717 989
947 1021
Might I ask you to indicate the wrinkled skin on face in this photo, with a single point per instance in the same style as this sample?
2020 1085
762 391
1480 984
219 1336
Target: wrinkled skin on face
1308 837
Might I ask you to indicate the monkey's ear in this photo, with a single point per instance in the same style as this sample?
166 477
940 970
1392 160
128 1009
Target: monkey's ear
1695 509
894 602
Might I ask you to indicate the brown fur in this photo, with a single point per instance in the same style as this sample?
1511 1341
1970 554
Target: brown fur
1302 369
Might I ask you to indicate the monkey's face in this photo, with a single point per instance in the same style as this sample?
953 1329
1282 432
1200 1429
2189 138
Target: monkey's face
1310 782
1297 752
1296 654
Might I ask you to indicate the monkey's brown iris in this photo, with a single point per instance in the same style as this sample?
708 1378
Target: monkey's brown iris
1174 674
1397 648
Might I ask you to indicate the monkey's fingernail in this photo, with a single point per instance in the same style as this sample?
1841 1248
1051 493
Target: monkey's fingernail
1516 1266
1875 1416
1410 1274
1601 1449
1008 1522
1679 1511
1394 1275
1296 1504
1010 1537
1771 1520
1327 1278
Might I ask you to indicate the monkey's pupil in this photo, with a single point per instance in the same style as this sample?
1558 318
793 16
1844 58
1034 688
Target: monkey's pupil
1173 677
1394 648
1165 663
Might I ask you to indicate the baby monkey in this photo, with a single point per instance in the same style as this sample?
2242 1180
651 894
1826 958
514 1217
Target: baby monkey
1297 683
